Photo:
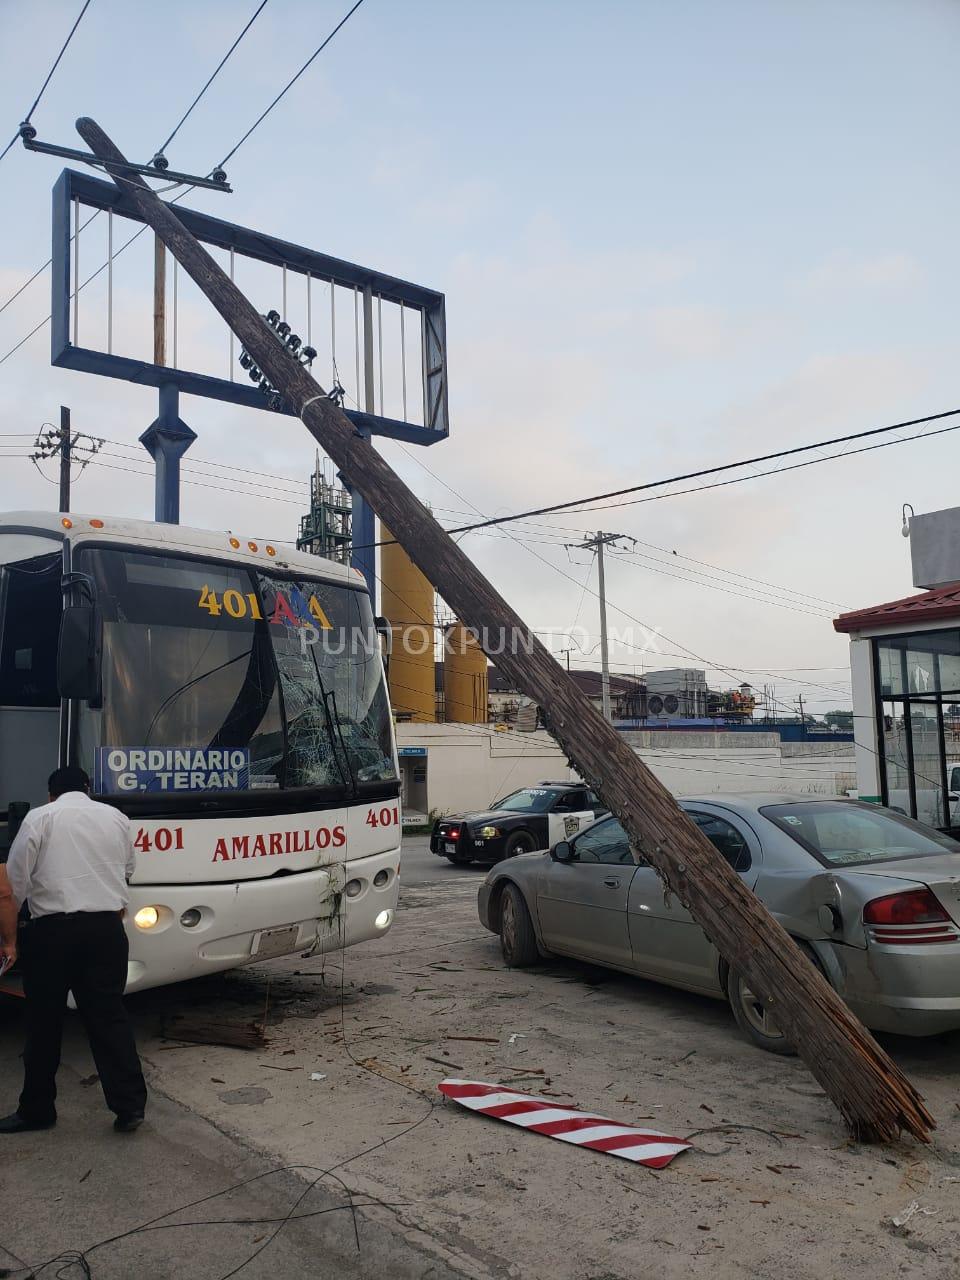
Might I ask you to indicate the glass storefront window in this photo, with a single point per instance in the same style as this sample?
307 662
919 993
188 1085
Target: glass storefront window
927 752
919 663
895 757
919 683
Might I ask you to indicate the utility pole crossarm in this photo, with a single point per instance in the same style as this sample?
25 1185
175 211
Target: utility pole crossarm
871 1092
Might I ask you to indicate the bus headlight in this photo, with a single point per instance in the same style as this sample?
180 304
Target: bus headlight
383 920
146 917
353 888
191 918
381 878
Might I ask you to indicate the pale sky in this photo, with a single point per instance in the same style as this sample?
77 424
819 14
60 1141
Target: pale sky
669 235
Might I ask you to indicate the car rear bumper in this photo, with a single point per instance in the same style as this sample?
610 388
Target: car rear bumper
910 991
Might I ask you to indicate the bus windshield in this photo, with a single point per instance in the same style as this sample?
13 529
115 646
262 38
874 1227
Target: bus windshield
223 677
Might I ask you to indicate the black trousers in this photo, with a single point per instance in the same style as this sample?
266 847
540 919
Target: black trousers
85 953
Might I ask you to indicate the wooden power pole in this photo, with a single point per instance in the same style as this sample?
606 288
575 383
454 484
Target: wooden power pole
875 1098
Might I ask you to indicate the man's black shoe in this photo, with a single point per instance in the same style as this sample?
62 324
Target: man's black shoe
128 1123
20 1124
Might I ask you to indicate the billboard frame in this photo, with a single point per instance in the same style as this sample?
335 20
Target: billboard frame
73 189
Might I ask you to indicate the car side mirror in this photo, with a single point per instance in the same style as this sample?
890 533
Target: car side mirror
562 851
78 657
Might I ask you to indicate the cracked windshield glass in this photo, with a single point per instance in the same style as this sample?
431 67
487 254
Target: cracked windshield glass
219 677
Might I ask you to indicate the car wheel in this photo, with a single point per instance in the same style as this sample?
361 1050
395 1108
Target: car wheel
518 942
753 1018
519 842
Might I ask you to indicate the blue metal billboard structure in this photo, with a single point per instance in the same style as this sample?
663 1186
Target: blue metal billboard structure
169 437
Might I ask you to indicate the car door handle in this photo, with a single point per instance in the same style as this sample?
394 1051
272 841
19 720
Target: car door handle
612 882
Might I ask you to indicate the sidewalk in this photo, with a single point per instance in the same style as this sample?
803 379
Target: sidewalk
80 1184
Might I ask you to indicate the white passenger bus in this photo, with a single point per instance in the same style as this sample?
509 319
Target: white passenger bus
226 694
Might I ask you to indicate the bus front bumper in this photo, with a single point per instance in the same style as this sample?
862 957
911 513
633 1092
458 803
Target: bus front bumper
252 921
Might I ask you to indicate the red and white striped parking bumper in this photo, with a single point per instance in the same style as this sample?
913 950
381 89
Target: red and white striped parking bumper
642 1146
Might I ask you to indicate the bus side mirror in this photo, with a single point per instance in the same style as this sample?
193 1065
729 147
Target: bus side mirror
78 658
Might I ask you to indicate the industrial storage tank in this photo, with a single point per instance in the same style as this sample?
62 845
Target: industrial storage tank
407 602
464 677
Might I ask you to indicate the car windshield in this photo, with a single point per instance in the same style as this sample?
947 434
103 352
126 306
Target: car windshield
845 833
529 800
220 677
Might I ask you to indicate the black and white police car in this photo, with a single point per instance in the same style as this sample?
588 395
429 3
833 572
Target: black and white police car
532 818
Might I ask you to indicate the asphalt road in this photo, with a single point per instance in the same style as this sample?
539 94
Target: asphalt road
420 867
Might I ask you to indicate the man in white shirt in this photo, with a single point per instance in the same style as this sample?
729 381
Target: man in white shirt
70 862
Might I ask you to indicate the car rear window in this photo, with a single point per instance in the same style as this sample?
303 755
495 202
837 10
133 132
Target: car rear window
844 833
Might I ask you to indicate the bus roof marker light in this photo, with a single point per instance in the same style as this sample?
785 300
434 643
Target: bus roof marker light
252 546
96 524
67 524
235 543
271 551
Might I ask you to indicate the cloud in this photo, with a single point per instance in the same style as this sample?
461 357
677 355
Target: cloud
846 273
695 331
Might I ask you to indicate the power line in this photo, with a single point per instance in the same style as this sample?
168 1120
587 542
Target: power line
40 270
89 280
227 157
725 466
43 87
585 587
796 466
727 589
222 63
733 573
290 83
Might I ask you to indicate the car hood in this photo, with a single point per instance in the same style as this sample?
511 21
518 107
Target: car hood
484 816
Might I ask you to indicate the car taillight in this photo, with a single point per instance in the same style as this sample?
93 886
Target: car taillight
916 906
906 919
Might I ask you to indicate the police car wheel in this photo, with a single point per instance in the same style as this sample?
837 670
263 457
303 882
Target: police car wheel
518 942
519 842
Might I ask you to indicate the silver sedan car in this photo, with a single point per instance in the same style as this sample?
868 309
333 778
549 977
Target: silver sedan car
873 899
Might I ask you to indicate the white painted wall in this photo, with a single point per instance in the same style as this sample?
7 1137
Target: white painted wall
468 766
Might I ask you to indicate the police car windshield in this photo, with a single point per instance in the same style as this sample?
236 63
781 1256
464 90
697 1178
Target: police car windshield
220 677
529 800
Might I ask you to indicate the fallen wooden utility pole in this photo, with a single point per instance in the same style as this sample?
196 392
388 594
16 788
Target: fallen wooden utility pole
873 1095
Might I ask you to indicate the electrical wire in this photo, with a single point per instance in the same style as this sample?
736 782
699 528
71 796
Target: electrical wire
725 588
585 585
289 85
43 87
709 471
89 280
227 157
222 63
